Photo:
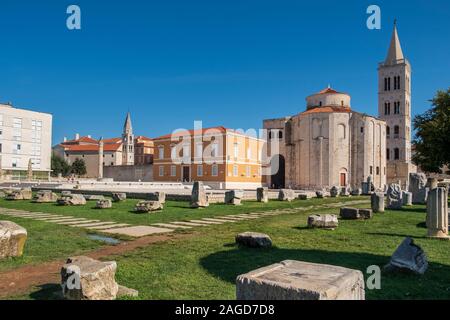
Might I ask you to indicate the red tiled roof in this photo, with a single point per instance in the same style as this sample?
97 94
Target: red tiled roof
327 109
112 140
193 132
82 139
327 90
143 138
91 147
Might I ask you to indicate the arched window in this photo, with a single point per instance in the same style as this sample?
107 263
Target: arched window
396 153
388 131
396 131
388 154
270 135
280 134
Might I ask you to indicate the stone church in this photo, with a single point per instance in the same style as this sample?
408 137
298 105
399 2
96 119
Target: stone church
330 144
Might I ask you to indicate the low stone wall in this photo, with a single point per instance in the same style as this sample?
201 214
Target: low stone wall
129 173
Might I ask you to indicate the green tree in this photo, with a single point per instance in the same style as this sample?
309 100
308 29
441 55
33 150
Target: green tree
79 167
432 141
59 166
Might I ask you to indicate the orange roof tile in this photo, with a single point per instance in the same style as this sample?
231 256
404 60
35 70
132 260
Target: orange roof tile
327 109
90 147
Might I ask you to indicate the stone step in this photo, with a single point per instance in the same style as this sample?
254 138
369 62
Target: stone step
70 223
65 221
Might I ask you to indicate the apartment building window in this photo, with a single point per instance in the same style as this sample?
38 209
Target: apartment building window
161 152
249 153
36 125
16 148
17 123
200 171
17 134
215 150
173 152
1 120
378 171
36 150
15 162
235 170
388 154
161 171
199 150
173 171
214 170
1 148
388 131
248 171
36 163
236 150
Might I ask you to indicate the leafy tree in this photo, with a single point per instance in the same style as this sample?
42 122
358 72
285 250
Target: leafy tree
59 166
432 140
79 167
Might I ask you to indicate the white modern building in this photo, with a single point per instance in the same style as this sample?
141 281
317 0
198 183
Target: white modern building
25 135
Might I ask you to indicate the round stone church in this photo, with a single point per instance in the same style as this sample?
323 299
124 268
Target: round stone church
328 144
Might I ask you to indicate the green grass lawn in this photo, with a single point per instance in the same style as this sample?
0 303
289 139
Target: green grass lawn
205 264
173 210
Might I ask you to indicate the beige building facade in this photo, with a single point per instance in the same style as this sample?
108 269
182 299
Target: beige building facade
220 157
25 135
327 145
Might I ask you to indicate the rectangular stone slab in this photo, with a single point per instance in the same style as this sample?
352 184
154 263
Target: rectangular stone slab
112 226
204 222
65 221
297 280
94 224
138 231
235 218
171 226
219 220
189 224
70 223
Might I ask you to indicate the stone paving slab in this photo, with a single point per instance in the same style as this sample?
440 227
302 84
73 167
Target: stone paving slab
49 219
68 220
171 226
137 231
189 224
70 223
247 217
94 224
219 220
233 218
111 226
204 222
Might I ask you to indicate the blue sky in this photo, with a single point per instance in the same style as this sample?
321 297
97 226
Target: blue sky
225 62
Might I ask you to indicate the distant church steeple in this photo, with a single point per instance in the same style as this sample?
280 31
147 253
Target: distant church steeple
128 142
395 52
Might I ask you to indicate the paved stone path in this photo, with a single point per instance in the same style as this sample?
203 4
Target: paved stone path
112 227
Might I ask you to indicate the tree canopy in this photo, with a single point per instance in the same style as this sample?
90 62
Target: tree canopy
79 167
432 140
59 166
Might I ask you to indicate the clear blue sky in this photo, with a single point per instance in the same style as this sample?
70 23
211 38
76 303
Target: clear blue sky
226 62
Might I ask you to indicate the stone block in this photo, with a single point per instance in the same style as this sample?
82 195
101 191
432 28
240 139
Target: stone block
408 257
407 198
83 278
286 195
72 200
437 213
254 240
148 206
377 202
334 192
45 196
417 186
297 280
199 199
262 195
234 197
119 196
12 239
323 221
157 196
104 204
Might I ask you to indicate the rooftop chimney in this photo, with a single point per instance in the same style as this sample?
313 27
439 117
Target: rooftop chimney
77 136
65 139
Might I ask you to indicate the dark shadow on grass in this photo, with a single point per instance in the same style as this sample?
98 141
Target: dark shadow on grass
412 210
50 291
422 225
227 265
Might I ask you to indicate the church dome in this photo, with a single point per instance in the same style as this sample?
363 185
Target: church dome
328 98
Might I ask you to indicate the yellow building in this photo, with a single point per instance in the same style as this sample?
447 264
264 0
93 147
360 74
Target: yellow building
220 157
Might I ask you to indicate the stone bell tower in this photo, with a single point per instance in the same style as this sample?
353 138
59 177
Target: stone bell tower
394 106
128 142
